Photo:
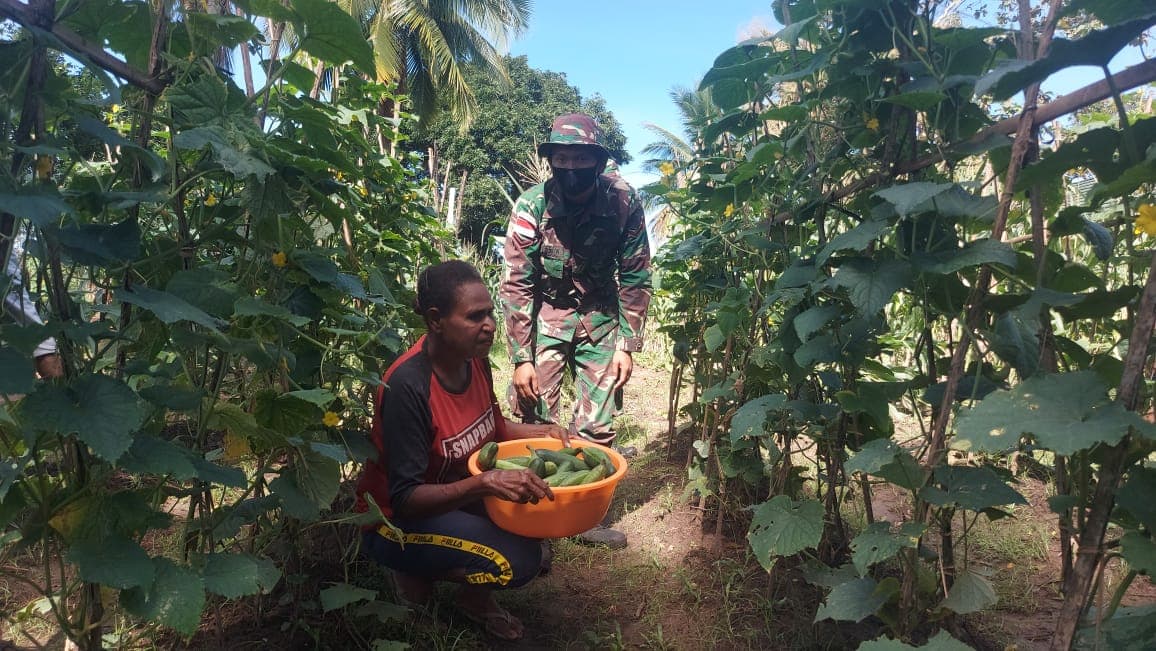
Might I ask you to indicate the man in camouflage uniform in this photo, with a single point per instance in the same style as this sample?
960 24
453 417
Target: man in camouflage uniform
576 286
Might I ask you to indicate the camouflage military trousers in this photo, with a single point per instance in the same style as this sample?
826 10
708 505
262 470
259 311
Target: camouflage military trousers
595 403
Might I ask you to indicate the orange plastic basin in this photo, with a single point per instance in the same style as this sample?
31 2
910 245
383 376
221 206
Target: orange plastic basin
574 509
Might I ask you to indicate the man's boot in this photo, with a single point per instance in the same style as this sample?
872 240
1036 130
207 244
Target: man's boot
603 536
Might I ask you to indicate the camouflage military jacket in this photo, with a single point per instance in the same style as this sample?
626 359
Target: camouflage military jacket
586 271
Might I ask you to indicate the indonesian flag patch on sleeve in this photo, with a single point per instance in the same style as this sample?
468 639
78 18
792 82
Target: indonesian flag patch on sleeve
524 225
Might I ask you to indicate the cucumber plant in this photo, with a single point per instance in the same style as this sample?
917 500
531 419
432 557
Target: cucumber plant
859 233
226 275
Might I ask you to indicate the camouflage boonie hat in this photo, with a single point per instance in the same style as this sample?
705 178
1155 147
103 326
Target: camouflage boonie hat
573 129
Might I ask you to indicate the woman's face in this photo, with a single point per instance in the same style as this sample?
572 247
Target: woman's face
469 326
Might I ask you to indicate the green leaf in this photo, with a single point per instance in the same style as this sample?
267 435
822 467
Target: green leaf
17 373
855 600
167 307
782 526
340 595
1003 67
200 101
285 416
799 274
724 389
236 159
791 33
42 207
211 290
808 322
1065 412
115 561
856 239
788 113
974 254
877 543
1140 552
1016 340
101 245
320 397
1100 303
153 456
1108 12
956 203
238 575
214 474
714 338
750 420
971 593
175 599
1136 496
172 396
923 100
1100 238
974 489
909 196
1062 504
816 573
1095 49
872 456
941 642
818 350
333 35
250 306
103 412
1131 628
223 30
12 503
270 8
870 284
904 472
308 486
872 399
102 132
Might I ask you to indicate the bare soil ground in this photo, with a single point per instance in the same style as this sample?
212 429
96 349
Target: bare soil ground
678 584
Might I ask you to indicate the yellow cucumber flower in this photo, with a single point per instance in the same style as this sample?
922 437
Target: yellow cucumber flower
666 168
280 259
1146 220
330 419
729 210
211 200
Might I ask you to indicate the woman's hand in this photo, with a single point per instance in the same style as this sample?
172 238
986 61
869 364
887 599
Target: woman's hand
516 486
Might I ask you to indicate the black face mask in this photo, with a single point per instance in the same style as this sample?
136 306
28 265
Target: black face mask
575 182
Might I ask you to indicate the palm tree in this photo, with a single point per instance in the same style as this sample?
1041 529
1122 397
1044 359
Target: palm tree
671 154
697 110
421 45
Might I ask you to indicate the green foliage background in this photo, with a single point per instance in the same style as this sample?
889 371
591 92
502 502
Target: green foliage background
512 119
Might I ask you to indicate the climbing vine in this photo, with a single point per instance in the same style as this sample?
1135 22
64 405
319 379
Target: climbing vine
226 273
859 234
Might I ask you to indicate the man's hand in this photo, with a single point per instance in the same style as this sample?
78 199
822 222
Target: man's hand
621 366
526 383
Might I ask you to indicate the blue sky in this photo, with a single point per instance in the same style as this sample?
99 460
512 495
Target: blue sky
632 52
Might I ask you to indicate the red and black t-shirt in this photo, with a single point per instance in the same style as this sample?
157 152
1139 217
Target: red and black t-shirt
423 432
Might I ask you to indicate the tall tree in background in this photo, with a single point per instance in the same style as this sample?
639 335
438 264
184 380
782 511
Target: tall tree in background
509 123
424 45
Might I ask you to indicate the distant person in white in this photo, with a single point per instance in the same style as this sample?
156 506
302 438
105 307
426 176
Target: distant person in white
18 305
